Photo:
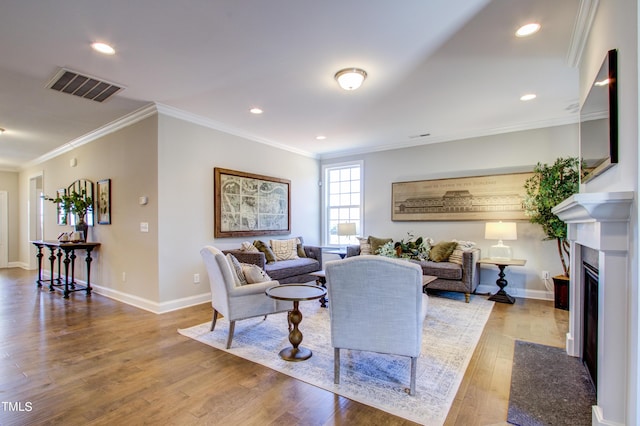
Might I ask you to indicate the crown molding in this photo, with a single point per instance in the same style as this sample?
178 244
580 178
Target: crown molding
215 125
114 126
581 29
455 137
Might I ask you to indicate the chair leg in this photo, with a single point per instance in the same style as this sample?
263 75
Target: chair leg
336 365
414 367
215 318
467 297
232 327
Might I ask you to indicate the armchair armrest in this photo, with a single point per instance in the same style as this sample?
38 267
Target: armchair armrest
249 289
254 257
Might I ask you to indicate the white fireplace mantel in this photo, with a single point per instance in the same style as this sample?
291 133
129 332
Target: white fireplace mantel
600 221
595 207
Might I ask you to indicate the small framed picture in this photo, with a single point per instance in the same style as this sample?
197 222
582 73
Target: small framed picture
104 202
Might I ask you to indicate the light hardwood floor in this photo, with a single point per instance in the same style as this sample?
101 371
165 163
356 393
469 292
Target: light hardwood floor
95 361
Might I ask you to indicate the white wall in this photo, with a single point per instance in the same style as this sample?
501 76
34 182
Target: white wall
616 27
187 155
505 153
9 182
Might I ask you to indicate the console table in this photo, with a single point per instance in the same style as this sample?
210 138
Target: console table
502 296
58 250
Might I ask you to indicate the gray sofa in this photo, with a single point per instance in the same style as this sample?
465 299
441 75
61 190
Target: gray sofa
450 276
285 271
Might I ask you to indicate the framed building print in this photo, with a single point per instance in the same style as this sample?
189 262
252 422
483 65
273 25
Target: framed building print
247 204
104 202
494 197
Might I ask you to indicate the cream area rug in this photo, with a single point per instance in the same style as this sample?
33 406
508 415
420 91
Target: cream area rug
451 332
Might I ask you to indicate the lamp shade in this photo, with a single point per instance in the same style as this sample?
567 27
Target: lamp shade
500 231
346 229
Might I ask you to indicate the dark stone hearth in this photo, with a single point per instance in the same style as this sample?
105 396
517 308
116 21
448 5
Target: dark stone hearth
549 387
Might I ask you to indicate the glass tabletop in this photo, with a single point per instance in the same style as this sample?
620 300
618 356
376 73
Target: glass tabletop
296 292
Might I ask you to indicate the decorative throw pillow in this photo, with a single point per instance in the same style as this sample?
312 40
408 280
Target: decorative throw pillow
285 249
247 246
376 243
268 253
236 269
441 251
300 249
254 273
462 246
365 247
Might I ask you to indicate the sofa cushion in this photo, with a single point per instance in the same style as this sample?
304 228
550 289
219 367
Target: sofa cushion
236 269
285 249
264 248
289 268
441 251
445 270
254 274
365 246
376 243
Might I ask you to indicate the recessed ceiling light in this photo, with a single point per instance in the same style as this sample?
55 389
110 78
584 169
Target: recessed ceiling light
321 137
103 48
527 97
255 110
601 83
528 29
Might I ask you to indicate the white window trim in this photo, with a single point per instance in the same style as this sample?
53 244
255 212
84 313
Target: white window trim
325 188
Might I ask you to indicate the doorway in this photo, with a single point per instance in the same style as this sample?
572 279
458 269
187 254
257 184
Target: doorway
35 213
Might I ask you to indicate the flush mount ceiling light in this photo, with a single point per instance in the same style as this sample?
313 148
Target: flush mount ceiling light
528 97
350 78
256 110
103 48
527 30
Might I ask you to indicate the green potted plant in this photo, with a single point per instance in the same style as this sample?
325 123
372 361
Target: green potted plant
548 187
77 203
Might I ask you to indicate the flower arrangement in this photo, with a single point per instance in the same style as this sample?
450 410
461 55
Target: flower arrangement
417 249
77 203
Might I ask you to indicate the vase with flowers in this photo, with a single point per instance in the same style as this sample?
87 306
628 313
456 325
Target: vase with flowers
74 203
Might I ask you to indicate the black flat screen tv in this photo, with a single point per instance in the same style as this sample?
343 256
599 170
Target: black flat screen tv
599 121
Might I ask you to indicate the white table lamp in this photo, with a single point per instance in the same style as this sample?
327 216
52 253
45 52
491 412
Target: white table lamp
346 229
500 231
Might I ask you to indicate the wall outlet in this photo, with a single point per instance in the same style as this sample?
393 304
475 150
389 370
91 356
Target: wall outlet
196 278
545 275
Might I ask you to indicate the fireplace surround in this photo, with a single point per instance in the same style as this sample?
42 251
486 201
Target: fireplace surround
600 221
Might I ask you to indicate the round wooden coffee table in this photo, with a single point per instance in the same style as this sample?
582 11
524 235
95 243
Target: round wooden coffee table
295 293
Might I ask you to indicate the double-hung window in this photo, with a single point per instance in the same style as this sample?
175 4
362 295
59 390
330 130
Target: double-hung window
342 201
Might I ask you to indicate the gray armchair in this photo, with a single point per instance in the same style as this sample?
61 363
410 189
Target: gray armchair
236 302
377 305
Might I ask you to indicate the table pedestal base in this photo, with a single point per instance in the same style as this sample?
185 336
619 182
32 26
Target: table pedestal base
295 354
502 297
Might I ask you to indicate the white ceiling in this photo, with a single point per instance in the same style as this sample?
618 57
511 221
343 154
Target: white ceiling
450 68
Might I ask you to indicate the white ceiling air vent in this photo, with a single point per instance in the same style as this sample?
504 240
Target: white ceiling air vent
84 86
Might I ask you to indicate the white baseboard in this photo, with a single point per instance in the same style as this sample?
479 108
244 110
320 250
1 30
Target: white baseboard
516 292
597 418
150 305
140 302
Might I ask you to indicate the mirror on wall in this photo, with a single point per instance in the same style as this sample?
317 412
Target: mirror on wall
79 186
599 121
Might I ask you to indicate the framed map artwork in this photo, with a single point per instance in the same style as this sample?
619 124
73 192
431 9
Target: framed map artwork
248 204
